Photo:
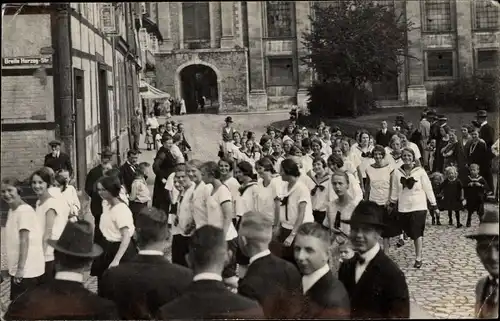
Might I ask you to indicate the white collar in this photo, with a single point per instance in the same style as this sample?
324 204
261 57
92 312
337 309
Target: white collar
371 253
150 252
384 130
309 280
69 276
484 123
207 276
259 255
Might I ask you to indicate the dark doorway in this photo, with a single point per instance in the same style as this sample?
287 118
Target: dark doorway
198 81
81 137
104 109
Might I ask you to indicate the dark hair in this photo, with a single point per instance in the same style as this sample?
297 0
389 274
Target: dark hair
227 160
177 138
151 230
317 141
111 184
12 181
212 169
380 149
166 137
319 159
289 167
132 152
69 262
267 164
246 169
180 168
306 142
316 230
341 173
142 167
336 160
264 139
207 245
46 174
296 151
62 181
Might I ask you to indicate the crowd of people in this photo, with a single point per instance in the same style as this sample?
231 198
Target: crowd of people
261 233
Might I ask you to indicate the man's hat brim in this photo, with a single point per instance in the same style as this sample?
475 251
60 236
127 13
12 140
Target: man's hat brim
485 230
55 143
96 250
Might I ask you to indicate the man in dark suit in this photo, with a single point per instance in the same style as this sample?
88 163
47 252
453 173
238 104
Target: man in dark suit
376 286
273 282
140 287
127 170
487 134
207 297
384 135
184 145
325 296
487 249
56 159
90 188
477 153
65 298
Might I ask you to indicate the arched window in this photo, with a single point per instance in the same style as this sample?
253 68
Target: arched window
279 16
196 20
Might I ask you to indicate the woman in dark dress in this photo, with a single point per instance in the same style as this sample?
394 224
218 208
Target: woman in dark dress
163 166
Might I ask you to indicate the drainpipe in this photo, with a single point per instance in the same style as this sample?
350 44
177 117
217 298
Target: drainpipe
115 103
64 79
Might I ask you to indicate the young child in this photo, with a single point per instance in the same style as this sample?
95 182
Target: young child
139 192
475 193
148 140
431 149
161 131
437 180
453 195
68 192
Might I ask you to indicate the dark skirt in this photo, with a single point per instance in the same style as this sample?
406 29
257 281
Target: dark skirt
319 216
50 272
413 223
231 267
26 284
180 247
392 226
279 249
101 263
136 208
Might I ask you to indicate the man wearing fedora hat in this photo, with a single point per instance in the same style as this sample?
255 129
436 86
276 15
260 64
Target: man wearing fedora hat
227 130
377 287
487 134
486 238
90 187
56 159
141 286
65 297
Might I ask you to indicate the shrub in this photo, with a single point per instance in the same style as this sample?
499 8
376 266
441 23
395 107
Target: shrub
333 99
469 93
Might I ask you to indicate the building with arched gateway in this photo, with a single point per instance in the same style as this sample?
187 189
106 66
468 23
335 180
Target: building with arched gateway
245 55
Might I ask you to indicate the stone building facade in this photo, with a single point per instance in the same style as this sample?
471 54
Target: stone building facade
253 48
80 87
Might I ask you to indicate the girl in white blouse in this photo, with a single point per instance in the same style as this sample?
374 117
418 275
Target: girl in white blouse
317 183
246 200
269 186
52 215
410 190
226 167
393 153
23 237
362 156
117 227
68 192
198 199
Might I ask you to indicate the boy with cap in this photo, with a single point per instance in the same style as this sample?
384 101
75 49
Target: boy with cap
377 287
56 159
486 238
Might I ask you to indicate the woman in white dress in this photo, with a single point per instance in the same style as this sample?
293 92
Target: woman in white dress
269 186
393 153
246 200
362 156
117 227
226 167
342 207
52 215
23 238
183 107
378 188
317 183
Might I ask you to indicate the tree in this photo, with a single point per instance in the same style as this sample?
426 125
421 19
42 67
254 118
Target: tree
355 42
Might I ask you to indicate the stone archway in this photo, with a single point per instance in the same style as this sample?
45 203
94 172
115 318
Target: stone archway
197 78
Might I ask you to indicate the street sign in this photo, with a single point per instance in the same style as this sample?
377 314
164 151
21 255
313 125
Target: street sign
108 18
26 61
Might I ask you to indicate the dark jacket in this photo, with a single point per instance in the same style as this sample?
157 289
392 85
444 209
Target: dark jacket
140 287
57 163
381 292
61 300
127 173
184 145
383 139
276 284
208 299
95 200
487 133
327 299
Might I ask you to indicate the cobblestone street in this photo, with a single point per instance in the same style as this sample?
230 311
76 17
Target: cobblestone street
442 288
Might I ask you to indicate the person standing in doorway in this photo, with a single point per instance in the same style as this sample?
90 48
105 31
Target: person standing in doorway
137 129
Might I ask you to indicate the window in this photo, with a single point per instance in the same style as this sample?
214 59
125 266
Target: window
487 60
437 15
440 64
486 14
280 72
196 21
279 15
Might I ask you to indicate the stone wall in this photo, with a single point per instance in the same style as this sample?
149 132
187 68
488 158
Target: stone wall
230 66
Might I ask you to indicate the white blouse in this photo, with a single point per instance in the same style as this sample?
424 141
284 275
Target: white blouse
345 210
414 199
215 216
380 184
289 212
24 218
247 201
320 190
61 207
184 213
114 219
267 195
234 187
